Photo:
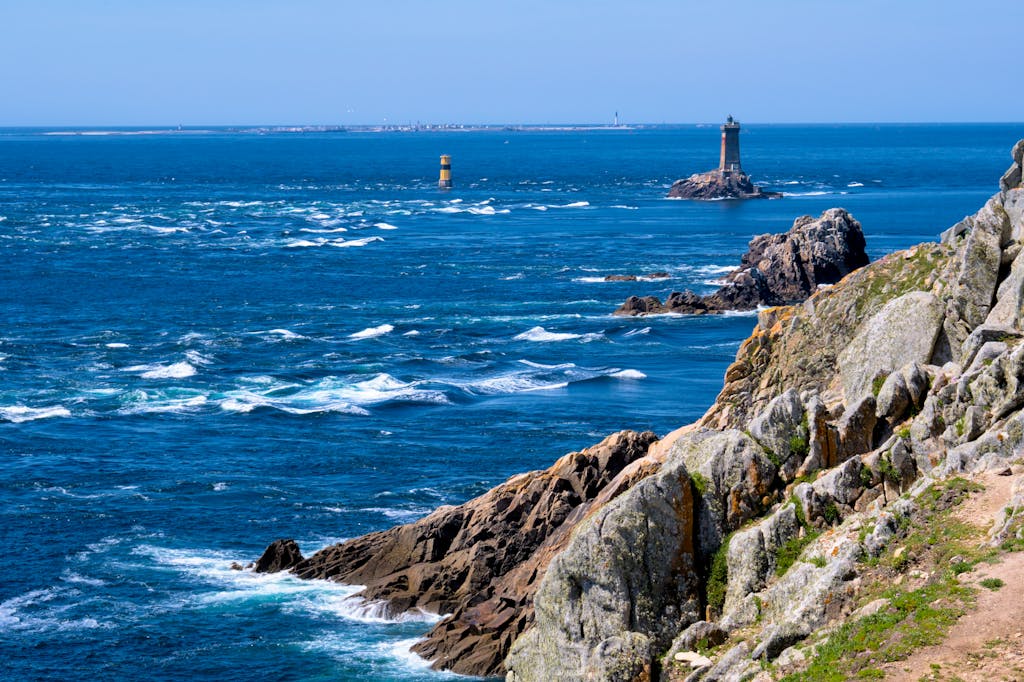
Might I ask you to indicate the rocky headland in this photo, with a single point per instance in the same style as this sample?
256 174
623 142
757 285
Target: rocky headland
777 269
857 486
715 184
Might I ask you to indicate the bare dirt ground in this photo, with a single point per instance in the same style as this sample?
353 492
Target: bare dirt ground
987 643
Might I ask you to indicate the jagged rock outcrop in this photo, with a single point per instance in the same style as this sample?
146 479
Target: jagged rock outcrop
776 269
715 184
478 561
629 579
281 555
1012 178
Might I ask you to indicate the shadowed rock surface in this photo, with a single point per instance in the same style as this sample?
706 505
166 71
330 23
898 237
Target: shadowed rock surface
281 555
777 269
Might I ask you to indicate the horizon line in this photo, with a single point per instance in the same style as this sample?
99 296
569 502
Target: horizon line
431 126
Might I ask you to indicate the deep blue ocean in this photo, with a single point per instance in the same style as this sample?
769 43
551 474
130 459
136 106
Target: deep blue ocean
210 340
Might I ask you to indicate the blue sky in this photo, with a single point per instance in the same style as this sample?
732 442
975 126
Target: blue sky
157 62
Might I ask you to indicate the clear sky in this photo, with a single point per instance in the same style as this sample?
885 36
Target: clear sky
164 62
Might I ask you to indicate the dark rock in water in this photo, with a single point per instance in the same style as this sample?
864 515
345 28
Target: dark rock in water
777 269
634 278
281 555
718 184
481 560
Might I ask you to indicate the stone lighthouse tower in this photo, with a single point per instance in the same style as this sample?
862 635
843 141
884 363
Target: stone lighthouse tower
730 162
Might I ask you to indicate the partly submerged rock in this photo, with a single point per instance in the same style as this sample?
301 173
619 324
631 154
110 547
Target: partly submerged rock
281 555
776 269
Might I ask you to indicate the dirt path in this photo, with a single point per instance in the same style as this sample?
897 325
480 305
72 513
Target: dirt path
987 643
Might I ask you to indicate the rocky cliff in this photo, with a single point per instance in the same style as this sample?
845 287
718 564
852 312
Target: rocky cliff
777 269
841 421
837 508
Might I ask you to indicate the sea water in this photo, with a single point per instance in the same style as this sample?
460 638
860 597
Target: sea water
213 339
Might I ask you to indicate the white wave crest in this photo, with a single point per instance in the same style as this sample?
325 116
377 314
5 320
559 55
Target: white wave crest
353 607
540 334
32 612
539 365
372 332
706 270
385 226
157 402
331 394
628 374
177 370
513 383
20 413
278 335
356 242
330 231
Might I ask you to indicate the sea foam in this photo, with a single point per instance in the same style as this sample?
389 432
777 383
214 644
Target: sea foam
373 332
540 334
20 413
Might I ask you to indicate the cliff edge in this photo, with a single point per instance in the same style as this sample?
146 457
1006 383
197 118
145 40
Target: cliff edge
857 482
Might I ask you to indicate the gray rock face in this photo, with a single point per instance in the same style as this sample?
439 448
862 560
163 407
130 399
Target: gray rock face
620 591
632 567
1009 297
857 428
1012 177
980 255
733 475
823 440
894 398
752 554
777 269
903 331
781 430
1013 204
701 634
902 390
